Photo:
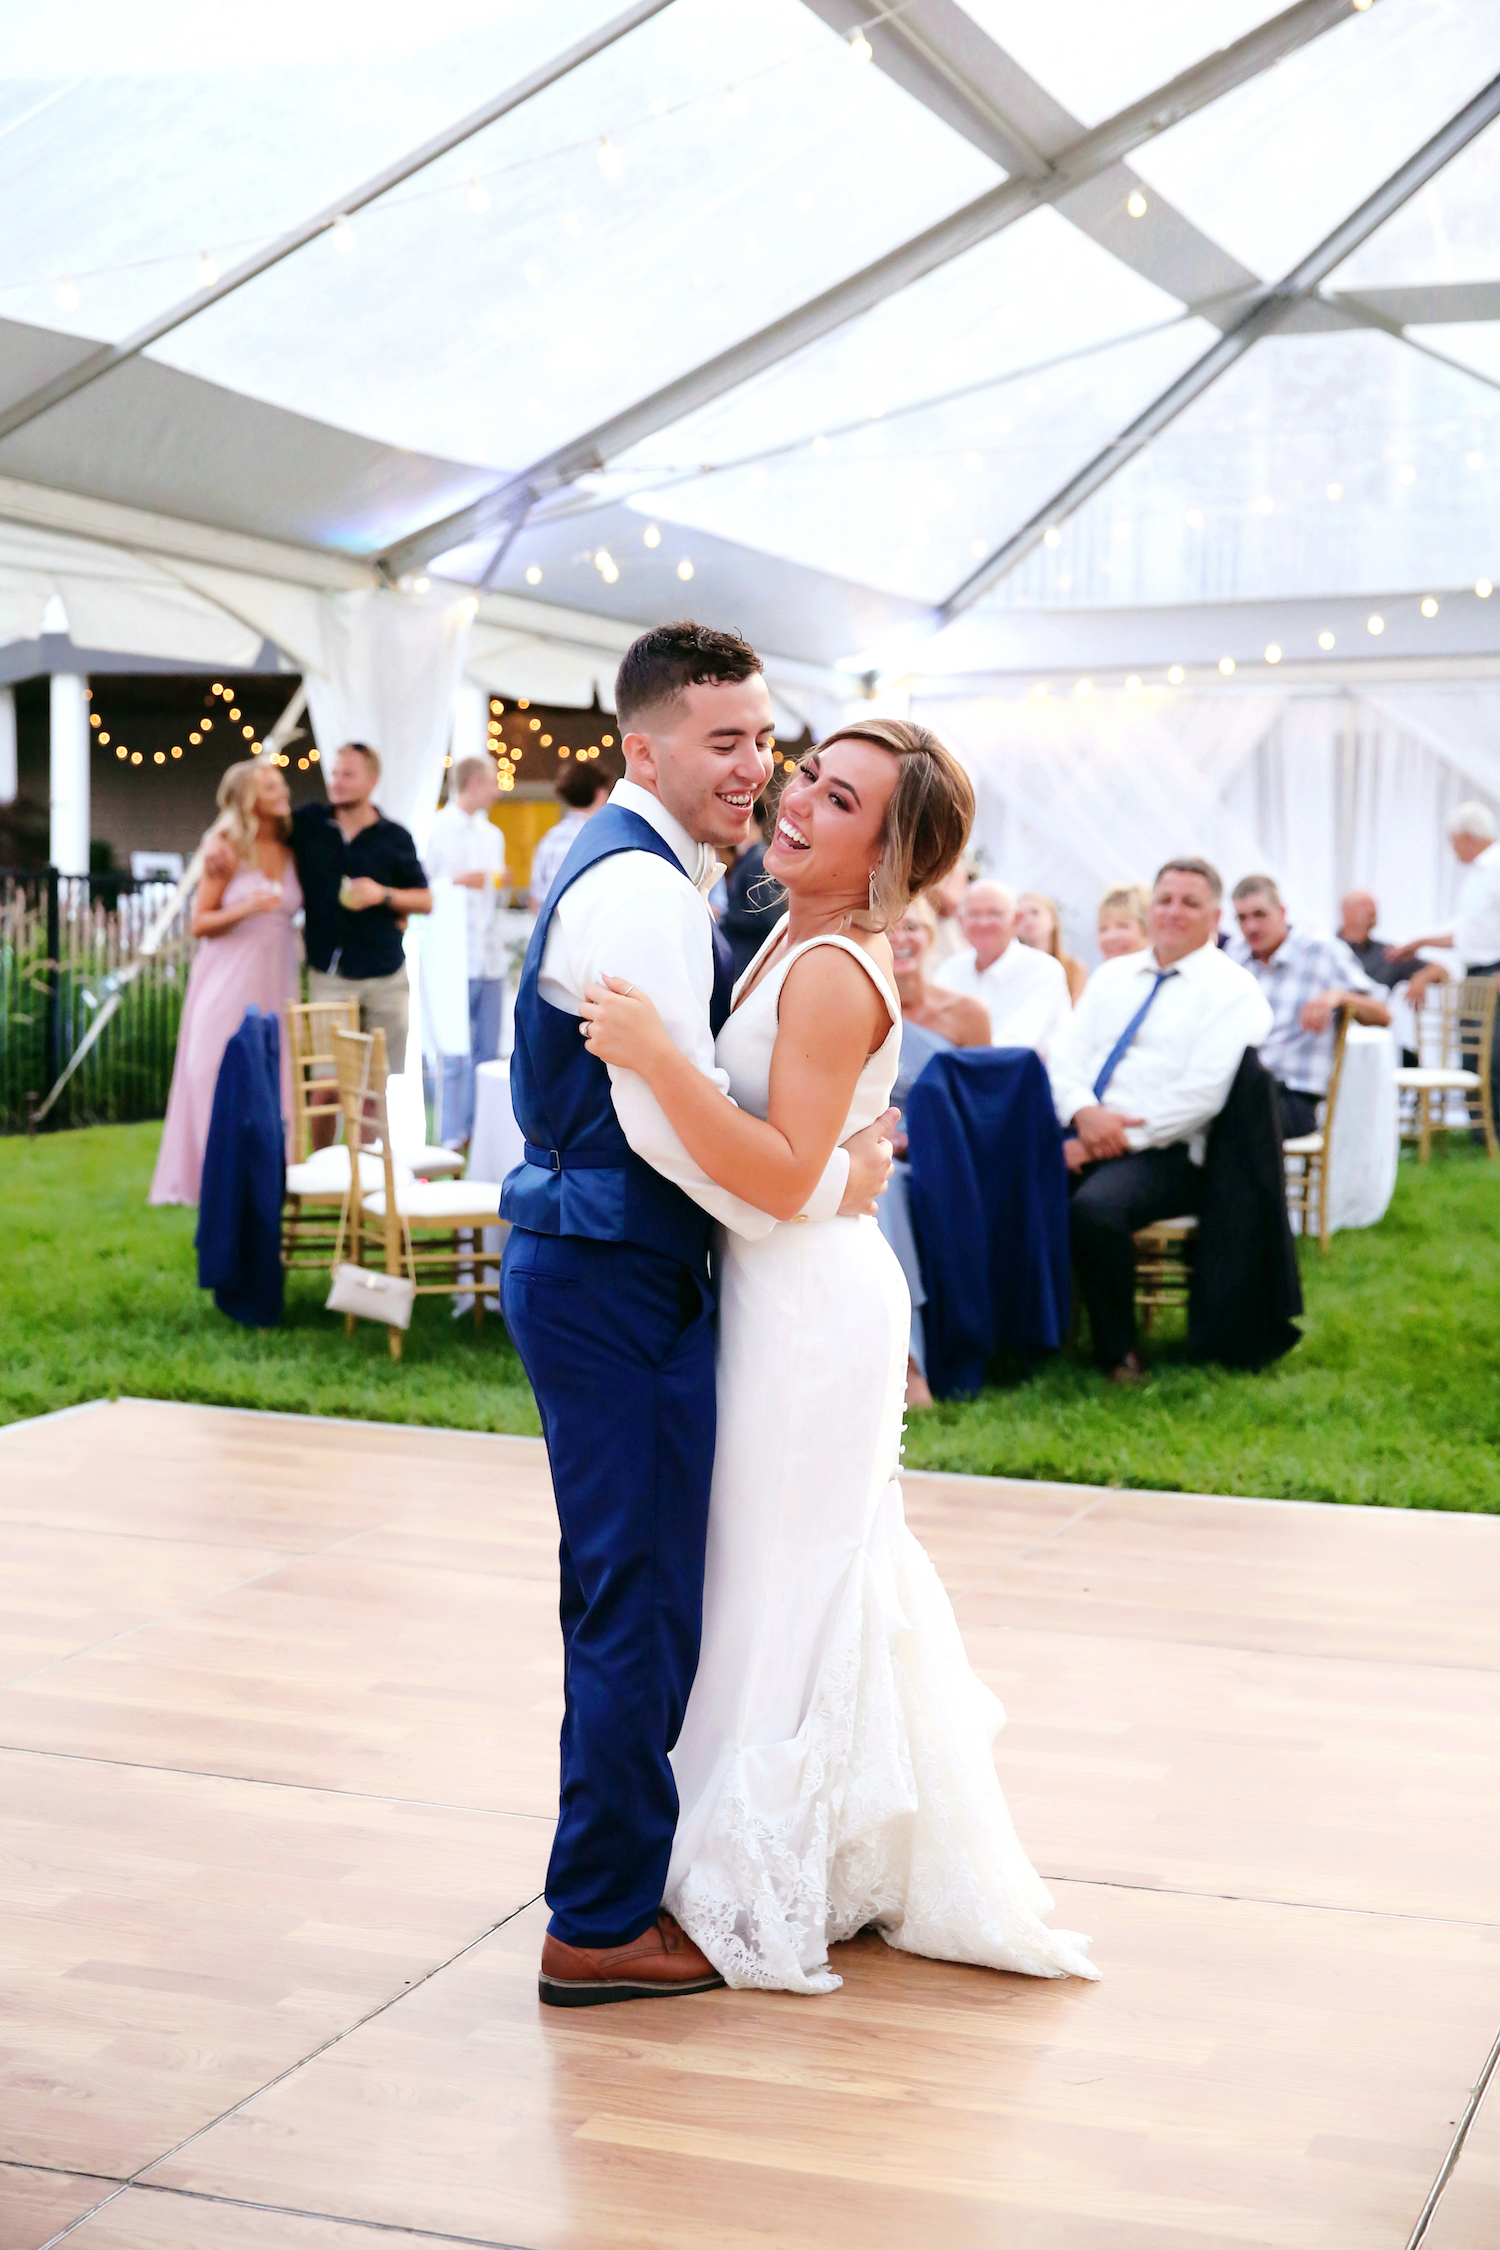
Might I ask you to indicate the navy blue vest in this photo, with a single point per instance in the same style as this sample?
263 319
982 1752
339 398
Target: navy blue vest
580 1174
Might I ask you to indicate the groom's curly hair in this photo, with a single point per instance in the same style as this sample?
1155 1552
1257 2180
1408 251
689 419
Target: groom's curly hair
660 664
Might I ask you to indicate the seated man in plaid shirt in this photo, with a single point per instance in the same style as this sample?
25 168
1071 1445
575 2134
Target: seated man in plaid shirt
1305 978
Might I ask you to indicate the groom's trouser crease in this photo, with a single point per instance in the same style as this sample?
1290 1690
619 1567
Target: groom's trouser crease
618 1343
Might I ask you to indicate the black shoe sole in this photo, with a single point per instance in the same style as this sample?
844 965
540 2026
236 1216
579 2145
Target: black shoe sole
560 1992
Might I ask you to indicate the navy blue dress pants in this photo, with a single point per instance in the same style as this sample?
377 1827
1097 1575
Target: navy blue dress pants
619 1345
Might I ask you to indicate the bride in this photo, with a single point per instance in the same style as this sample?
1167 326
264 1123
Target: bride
834 1768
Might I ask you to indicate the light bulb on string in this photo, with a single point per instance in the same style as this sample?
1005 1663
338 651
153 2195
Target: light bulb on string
1483 588
651 536
533 575
478 198
1135 204
1375 624
609 158
208 272
1226 665
1429 607
1325 641
68 299
343 235
684 569
1273 653
860 48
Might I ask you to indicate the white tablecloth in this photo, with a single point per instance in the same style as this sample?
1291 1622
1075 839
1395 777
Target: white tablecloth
494 1147
1366 1142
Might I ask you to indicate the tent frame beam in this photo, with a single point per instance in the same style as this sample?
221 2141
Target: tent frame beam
99 363
963 230
1267 313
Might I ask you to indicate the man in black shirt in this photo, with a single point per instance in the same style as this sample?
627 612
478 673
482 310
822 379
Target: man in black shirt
360 878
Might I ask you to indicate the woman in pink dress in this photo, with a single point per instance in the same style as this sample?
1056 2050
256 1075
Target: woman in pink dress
247 959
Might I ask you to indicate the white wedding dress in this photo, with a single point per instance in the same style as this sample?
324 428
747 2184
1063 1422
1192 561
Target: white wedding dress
835 1765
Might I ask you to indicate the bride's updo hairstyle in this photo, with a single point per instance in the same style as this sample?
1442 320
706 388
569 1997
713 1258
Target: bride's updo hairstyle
927 821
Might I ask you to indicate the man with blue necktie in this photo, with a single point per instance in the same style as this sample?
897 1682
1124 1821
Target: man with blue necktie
608 1294
1139 1072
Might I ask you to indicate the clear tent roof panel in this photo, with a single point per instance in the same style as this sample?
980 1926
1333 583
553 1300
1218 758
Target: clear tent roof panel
207 127
1095 57
1449 231
910 502
1474 344
1031 295
1319 464
493 336
1270 169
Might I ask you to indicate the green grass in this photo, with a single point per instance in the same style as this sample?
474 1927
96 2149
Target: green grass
1393 1396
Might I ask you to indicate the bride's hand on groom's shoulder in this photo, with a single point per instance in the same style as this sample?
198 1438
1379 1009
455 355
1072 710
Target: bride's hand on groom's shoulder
621 1025
870 1160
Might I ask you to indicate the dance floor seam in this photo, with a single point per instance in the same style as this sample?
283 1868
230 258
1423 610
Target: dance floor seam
276 1842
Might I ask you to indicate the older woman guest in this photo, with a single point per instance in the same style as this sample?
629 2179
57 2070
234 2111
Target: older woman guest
1122 920
247 959
1038 925
932 1020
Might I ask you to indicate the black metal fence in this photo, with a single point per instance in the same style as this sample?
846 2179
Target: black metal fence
69 954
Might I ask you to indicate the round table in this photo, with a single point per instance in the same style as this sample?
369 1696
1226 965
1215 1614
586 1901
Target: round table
1366 1131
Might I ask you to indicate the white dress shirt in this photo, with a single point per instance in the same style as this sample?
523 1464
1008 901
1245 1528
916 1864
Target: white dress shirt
1476 921
1026 993
457 843
1177 1071
630 916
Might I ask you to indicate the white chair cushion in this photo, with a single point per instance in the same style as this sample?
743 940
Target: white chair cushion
1434 1081
442 1202
325 1174
1305 1144
433 1163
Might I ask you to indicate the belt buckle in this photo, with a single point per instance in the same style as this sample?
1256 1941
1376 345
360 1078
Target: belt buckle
556 1159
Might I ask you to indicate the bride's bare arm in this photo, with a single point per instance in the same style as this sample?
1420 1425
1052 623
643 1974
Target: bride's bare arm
831 1019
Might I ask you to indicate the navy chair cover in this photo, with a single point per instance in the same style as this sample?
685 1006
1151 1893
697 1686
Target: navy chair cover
989 1200
244 1178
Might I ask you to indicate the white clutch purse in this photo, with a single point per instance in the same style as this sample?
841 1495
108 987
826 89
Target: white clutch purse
372 1296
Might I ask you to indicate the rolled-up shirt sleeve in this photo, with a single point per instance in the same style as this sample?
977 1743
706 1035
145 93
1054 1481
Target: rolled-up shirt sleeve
629 916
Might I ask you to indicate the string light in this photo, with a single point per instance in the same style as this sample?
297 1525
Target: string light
234 711
1133 684
1273 654
195 738
1483 588
1135 204
737 105
177 749
68 299
533 575
1325 640
1176 675
1374 624
208 272
609 158
1226 665
1084 687
421 585
478 198
1429 607
103 735
343 235
651 536
684 569
159 758
122 752
860 48
135 757
821 446
1051 537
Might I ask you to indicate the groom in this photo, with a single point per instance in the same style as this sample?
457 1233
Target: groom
608 1298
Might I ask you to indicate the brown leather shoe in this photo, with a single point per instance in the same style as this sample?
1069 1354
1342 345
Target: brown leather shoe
1130 1371
658 1965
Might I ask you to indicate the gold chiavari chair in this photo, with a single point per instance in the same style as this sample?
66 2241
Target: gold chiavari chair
411 1226
1455 1039
1306 1155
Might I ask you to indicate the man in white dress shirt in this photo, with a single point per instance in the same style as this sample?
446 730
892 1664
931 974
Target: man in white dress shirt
1139 1071
465 848
1025 992
1475 935
607 1293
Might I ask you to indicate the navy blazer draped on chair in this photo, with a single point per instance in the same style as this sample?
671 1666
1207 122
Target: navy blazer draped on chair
989 1199
244 1178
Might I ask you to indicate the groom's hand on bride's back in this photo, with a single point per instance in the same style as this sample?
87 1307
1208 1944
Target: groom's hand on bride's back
870 1159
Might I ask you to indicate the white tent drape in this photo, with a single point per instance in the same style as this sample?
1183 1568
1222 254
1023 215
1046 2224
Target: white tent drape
1322 791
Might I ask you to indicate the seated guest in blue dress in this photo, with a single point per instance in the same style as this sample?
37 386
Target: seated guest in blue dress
932 1021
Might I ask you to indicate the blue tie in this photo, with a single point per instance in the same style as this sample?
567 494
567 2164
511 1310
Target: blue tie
1112 1059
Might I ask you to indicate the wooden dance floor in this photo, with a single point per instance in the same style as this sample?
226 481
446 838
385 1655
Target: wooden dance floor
277 1773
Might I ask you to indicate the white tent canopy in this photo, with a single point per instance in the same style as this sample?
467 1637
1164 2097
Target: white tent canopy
805 315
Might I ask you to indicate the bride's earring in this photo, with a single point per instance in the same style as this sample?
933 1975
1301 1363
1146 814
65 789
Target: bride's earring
872 894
